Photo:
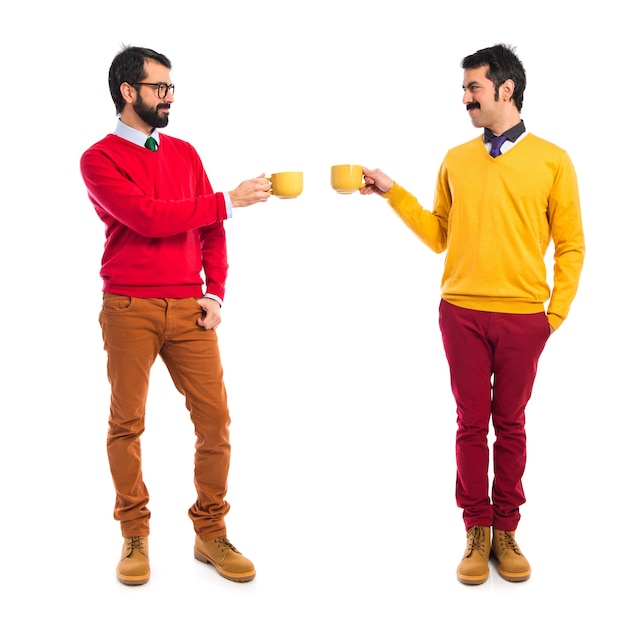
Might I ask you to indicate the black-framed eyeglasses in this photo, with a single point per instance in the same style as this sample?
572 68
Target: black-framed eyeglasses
162 88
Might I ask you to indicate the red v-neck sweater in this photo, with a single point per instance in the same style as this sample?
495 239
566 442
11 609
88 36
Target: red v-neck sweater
163 223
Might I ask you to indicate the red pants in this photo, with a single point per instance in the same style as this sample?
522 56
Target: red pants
135 331
493 362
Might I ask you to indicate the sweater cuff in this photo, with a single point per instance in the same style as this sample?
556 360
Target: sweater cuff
554 320
395 193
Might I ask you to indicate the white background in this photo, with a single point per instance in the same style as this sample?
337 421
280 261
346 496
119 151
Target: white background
342 479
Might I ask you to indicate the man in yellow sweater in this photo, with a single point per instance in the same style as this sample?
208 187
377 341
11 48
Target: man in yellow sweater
500 200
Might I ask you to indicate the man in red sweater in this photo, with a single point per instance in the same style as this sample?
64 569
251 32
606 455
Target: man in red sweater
163 269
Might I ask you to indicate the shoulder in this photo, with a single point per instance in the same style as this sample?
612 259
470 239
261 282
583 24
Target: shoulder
547 152
468 146
534 142
465 151
109 148
104 143
110 144
471 144
182 148
175 143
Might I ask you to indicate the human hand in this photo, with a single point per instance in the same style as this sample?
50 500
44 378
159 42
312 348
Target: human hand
375 182
211 314
251 191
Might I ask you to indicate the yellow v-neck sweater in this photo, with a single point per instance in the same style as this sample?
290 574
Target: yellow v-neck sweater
495 218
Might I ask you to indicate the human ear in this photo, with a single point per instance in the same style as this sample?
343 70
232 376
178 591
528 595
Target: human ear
507 89
126 89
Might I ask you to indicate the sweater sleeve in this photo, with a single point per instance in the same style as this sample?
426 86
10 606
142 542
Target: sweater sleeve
566 228
213 246
430 227
124 199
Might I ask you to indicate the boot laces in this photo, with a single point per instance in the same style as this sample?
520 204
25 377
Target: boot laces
225 544
135 543
477 538
507 542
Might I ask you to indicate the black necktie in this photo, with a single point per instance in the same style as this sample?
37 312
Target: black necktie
151 144
496 144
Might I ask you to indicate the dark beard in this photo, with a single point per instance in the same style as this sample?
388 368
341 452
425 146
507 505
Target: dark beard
153 117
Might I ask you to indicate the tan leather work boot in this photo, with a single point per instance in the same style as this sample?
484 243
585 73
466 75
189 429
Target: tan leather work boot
226 559
512 564
474 567
134 566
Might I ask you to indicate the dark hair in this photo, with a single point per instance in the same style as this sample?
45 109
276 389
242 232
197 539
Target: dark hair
128 67
502 64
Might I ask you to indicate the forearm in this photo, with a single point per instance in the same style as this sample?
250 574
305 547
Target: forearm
425 224
125 201
214 259
564 215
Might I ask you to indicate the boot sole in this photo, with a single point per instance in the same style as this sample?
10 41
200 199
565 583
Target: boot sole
472 580
244 577
519 577
134 580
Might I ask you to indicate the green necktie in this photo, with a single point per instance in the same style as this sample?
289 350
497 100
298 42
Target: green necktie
151 144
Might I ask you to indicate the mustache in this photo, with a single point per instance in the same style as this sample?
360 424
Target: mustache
164 107
473 105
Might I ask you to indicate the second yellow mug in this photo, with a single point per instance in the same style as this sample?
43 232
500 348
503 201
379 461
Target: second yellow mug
346 178
287 184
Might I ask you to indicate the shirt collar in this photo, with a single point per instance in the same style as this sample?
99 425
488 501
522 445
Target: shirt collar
133 135
513 134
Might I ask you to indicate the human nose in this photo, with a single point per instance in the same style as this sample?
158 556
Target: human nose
467 97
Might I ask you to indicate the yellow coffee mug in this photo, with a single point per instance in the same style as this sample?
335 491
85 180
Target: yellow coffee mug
286 184
346 178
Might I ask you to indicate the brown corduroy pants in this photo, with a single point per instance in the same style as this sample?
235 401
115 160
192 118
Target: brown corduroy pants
135 331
